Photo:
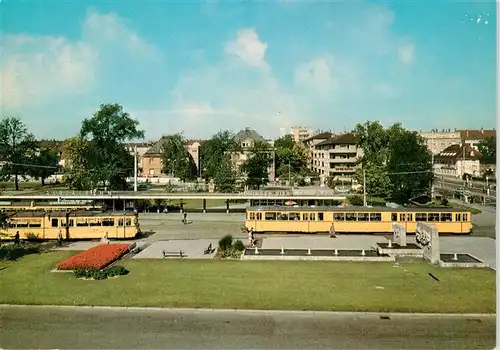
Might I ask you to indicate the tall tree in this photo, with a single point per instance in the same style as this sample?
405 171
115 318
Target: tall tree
176 158
45 162
396 163
257 165
290 158
225 176
103 160
488 149
16 146
214 151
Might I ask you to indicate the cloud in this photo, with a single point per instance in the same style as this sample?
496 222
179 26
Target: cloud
406 53
39 69
248 47
315 74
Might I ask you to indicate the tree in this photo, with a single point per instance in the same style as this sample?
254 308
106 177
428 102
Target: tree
488 149
290 158
257 165
225 176
16 146
176 158
97 156
214 150
396 161
45 163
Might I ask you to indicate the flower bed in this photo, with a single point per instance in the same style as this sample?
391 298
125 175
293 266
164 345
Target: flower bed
97 257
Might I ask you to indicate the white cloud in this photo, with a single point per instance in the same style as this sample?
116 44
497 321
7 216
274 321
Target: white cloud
406 53
248 47
40 68
315 74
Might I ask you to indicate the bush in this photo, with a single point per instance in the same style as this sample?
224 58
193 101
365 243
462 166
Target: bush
355 200
445 201
239 245
14 252
101 274
226 242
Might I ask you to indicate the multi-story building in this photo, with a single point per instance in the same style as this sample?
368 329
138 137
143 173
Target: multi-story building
457 160
437 141
310 145
246 139
473 137
301 133
338 157
151 163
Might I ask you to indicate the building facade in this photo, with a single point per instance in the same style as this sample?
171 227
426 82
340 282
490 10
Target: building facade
437 141
301 133
337 157
310 145
457 160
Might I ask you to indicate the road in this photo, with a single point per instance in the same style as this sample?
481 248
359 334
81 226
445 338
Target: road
85 328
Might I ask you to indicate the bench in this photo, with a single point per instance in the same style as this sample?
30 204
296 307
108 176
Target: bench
176 254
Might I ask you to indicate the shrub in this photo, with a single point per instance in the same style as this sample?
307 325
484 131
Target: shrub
226 242
445 201
239 245
355 200
14 252
101 274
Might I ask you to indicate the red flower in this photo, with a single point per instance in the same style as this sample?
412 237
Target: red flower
97 257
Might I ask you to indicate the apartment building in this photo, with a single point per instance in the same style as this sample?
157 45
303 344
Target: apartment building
151 163
301 133
437 141
310 145
337 157
457 160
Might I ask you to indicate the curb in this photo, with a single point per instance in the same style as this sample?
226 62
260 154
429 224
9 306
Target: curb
250 311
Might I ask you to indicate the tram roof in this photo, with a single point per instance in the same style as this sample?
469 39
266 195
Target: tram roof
79 213
357 209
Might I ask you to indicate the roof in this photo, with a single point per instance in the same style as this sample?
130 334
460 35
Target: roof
477 134
248 133
356 209
456 152
343 139
322 135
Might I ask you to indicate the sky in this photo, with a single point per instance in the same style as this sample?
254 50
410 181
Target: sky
201 67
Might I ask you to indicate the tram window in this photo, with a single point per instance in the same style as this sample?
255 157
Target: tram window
409 217
81 223
252 216
445 216
294 216
259 216
54 222
270 216
22 224
312 216
305 217
433 217
402 217
464 217
458 217
394 217
420 217
120 222
375 216
320 216
95 223
339 216
350 217
128 222
108 222
71 223
35 224
363 216
283 216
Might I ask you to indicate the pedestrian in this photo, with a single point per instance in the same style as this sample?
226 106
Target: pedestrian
332 231
16 238
59 238
185 217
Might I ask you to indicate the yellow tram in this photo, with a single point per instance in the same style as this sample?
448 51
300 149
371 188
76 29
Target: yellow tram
72 225
33 206
354 219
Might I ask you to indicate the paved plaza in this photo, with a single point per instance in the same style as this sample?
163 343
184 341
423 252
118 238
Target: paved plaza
194 249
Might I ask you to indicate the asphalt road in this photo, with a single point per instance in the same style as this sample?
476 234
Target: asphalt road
77 328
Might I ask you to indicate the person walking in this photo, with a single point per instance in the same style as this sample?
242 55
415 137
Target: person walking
16 238
332 231
184 220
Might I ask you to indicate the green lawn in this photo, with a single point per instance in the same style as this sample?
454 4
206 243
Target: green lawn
255 285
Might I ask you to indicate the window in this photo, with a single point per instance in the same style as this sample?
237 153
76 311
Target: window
259 216
338 216
433 217
305 217
120 222
350 217
312 216
375 216
270 216
464 217
320 216
252 216
282 216
402 217
71 222
35 224
394 217
80 223
54 222
458 217
420 217
409 217
21 224
128 222
294 216
363 216
445 216
108 222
